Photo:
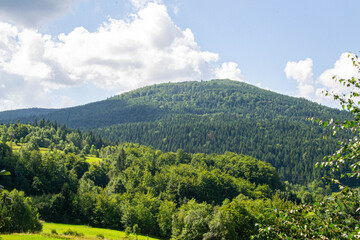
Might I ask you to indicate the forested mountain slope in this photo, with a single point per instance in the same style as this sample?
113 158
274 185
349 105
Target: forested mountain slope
197 98
213 117
13 115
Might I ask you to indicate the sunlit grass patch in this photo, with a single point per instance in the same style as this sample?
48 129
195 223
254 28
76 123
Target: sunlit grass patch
89 232
25 236
92 159
52 231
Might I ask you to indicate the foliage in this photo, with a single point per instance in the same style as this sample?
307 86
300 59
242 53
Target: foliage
164 217
3 173
137 187
175 195
191 221
348 154
313 221
231 221
18 213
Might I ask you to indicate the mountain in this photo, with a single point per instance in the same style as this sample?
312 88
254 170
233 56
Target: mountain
213 117
14 115
167 100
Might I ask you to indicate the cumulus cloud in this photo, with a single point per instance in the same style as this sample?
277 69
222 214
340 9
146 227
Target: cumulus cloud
147 49
120 55
34 12
229 70
15 92
343 68
27 56
142 3
302 72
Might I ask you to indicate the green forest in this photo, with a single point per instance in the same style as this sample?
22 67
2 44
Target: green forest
209 117
174 195
225 173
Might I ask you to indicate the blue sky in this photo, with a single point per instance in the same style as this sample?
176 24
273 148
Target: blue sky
71 52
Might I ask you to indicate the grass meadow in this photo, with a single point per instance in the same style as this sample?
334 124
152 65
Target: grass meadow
52 231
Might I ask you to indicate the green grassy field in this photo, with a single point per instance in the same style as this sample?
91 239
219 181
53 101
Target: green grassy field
88 233
89 158
16 147
20 236
92 159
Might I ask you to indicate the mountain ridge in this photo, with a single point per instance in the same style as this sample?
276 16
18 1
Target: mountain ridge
185 97
213 117
13 115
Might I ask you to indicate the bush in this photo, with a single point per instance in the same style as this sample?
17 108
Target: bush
191 222
73 233
231 221
18 213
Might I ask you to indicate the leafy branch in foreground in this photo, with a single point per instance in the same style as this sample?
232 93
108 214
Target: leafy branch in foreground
349 152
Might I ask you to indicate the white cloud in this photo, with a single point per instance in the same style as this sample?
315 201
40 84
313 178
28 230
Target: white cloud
147 49
229 70
343 68
27 56
15 92
302 72
142 3
66 101
120 55
32 13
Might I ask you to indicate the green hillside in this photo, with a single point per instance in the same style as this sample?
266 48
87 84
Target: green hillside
213 117
13 115
141 190
54 231
196 98
219 116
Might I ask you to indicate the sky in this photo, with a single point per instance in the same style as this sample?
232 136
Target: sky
64 53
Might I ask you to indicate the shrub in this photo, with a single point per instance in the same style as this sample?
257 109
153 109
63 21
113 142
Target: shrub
18 213
73 233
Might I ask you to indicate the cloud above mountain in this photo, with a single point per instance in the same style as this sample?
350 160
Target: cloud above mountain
143 49
302 72
229 70
147 49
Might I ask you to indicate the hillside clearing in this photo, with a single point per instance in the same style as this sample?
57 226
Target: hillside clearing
89 233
